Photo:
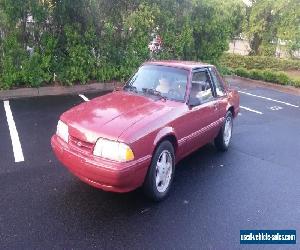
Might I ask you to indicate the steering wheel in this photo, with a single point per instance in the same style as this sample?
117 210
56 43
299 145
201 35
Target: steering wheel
175 94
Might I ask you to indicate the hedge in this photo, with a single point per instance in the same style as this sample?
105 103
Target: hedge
74 42
264 75
258 62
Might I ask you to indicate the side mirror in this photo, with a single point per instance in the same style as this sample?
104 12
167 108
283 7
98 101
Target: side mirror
117 88
193 102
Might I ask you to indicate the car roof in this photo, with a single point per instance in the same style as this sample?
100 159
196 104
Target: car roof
189 65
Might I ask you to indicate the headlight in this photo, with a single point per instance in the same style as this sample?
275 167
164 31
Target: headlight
63 131
113 150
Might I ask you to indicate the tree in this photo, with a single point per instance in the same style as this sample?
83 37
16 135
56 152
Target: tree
213 26
289 24
270 20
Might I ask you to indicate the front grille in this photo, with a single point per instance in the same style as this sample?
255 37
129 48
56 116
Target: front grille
84 147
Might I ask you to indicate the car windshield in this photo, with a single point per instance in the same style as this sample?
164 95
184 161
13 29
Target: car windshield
163 81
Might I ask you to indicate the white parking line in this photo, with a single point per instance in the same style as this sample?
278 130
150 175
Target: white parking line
269 99
251 110
15 140
84 98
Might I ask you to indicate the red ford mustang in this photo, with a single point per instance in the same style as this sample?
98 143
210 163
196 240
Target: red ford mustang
135 136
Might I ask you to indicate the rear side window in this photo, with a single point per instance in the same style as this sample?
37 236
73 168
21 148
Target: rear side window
220 89
201 87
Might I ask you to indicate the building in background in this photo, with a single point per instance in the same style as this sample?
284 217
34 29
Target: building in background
241 46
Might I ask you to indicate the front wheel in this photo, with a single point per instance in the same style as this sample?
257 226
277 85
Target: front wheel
161 172
223 139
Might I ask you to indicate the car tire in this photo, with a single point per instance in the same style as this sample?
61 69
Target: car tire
161 172
222 141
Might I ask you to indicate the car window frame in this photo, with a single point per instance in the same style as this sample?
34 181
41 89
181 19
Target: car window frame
211 84
212 70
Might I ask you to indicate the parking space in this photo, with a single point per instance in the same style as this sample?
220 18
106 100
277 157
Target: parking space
37 119
255 185
265 107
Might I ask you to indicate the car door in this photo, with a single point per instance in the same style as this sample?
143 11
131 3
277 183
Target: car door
201 117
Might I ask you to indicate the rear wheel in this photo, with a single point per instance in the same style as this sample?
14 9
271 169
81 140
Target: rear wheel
223 139
161 172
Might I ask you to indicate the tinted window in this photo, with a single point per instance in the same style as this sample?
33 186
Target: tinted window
201 87
219 86
170 82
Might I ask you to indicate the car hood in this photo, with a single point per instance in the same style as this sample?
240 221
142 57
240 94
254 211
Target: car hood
110 115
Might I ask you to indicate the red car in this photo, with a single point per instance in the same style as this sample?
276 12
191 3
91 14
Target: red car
134 137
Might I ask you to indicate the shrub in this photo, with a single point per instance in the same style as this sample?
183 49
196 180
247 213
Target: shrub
242 72
258 62
12 63
19 68
276 77
296 83
224 70
79 61
34 71
265 75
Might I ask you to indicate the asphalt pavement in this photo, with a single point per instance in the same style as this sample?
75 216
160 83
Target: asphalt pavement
255 185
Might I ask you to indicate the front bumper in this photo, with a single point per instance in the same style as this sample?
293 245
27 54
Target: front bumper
100 173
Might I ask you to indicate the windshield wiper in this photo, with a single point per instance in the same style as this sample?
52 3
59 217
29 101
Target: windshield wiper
154 92
130 88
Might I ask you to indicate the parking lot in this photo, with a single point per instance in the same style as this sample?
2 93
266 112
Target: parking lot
255 185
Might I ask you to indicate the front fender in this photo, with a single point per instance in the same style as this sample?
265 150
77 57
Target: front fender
164 132
234 101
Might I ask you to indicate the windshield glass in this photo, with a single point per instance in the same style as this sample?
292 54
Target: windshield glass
169 82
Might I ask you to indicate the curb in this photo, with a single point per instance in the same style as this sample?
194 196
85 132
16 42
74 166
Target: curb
58 90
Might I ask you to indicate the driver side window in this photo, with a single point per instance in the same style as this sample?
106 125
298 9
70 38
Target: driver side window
201 87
